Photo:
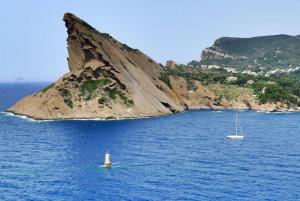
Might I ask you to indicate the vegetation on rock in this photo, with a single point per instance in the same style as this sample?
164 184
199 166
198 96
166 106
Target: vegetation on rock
165 77
129 49
191 85
113 93
48 87
102 100
95 88
89 86
69 103
65 93
106 35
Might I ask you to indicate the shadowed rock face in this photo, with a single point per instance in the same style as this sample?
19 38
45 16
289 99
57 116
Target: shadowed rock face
107 79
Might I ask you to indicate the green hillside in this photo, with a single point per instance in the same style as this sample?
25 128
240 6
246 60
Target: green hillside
264 51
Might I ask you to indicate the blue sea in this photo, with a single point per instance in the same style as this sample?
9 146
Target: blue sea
183 156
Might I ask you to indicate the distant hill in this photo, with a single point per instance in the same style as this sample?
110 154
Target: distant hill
263 51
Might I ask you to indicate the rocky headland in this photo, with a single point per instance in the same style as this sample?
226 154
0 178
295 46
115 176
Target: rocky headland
108 80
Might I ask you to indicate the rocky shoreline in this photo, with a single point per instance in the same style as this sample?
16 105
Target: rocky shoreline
214 108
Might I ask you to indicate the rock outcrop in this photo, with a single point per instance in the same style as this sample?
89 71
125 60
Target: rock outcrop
170 64
107 79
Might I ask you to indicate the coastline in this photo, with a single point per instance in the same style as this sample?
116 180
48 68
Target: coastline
219 109
27 117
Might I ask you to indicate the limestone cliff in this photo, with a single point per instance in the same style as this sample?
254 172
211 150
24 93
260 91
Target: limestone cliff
107 79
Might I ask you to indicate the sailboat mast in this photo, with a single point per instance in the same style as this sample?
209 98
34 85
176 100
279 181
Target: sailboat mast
236 124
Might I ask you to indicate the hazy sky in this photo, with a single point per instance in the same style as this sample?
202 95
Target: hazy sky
33 35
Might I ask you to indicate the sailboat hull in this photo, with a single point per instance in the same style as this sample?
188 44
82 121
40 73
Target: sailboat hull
235 137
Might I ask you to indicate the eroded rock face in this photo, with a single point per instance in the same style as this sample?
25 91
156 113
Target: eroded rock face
216 53
170 64
107 79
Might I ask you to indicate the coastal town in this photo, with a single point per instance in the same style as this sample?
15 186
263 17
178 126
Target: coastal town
250 70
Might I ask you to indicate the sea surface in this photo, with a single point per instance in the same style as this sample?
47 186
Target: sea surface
177 157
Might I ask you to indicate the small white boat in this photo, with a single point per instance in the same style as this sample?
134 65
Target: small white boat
236 136
107 163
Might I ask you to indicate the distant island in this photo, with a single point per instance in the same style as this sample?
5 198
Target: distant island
108 79
19 79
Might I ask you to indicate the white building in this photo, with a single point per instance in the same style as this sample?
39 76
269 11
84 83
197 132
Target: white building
250 81
231 70
231 78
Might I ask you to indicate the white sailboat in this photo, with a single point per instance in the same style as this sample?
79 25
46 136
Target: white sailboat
236 136
107 163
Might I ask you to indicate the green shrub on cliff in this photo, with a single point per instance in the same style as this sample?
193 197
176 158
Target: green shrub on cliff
66 94
113 93
191 85
89 86
69 103
102 100
166 79
48 87
129 49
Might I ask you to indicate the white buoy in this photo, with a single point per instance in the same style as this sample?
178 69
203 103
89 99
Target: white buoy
107 163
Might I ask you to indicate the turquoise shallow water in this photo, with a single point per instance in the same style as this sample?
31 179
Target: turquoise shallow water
178 157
